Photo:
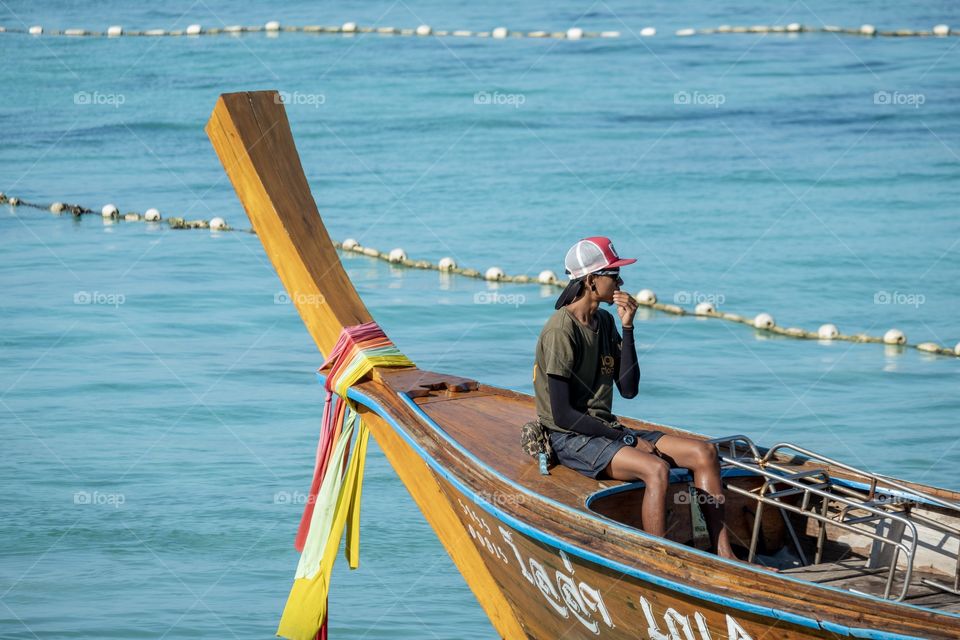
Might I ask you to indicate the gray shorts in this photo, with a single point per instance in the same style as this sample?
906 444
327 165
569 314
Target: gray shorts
590 455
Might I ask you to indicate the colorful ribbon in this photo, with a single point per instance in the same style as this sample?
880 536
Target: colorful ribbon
334 500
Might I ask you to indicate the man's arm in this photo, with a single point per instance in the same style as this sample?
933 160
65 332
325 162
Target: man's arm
627 370
566 417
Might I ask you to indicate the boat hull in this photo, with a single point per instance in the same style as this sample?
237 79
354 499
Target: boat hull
533 584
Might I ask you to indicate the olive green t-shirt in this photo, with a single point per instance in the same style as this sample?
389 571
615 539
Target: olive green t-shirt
569 349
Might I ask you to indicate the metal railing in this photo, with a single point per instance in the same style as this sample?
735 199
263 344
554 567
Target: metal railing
872 513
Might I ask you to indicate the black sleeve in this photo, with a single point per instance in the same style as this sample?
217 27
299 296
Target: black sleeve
627 371
566 417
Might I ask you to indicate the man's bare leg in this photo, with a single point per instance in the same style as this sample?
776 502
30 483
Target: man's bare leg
630 465
701 459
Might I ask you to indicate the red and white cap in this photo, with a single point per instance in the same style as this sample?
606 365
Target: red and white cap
591 255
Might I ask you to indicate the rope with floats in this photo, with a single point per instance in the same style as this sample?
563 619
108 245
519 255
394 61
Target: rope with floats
274 28
397 257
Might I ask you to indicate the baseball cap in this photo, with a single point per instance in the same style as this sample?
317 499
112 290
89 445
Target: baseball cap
593 254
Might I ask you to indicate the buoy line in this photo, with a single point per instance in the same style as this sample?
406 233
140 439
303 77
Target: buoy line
274 28
828 332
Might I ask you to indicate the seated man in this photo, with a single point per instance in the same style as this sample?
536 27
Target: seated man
579 356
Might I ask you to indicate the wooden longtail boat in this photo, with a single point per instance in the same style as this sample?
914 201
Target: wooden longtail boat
562 555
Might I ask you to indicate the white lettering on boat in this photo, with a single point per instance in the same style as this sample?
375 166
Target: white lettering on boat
568 596
679 628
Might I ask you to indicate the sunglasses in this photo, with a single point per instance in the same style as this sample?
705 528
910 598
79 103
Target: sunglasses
613 274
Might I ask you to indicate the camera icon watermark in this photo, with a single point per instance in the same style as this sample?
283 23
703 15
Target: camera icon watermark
95 98
293 497
495 297
696 297
899 99
699 99
99 297
501 499
96 498
315 100
515 100
698 497
300 299
914 300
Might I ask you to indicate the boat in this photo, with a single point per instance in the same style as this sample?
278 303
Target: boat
859 554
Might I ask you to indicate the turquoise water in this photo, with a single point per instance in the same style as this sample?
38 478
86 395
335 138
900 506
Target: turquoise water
181 403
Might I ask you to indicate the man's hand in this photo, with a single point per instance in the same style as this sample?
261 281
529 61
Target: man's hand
626 307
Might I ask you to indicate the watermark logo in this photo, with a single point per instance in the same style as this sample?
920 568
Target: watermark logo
899 99
696 297
301 299
699 99
900 298
99 297
315 100
293 497
97 498
501 499
699 497
96 98
495 297
496 98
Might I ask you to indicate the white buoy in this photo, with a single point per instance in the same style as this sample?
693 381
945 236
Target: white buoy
941 30
956 350
350 244
424 30
868 30
57 207
398 255
609 34
929 347
349 27
574 33
500 33
447 263
109 211
35 30
273 25
828 331
894 336
794 27
14 201
648 32
494 273
764 321
194 30
686 32
646 296
704 309
114 31
218 223
151 215
547 277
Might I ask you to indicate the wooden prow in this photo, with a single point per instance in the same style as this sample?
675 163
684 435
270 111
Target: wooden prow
252 137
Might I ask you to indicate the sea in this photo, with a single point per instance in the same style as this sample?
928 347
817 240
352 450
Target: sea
159 409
